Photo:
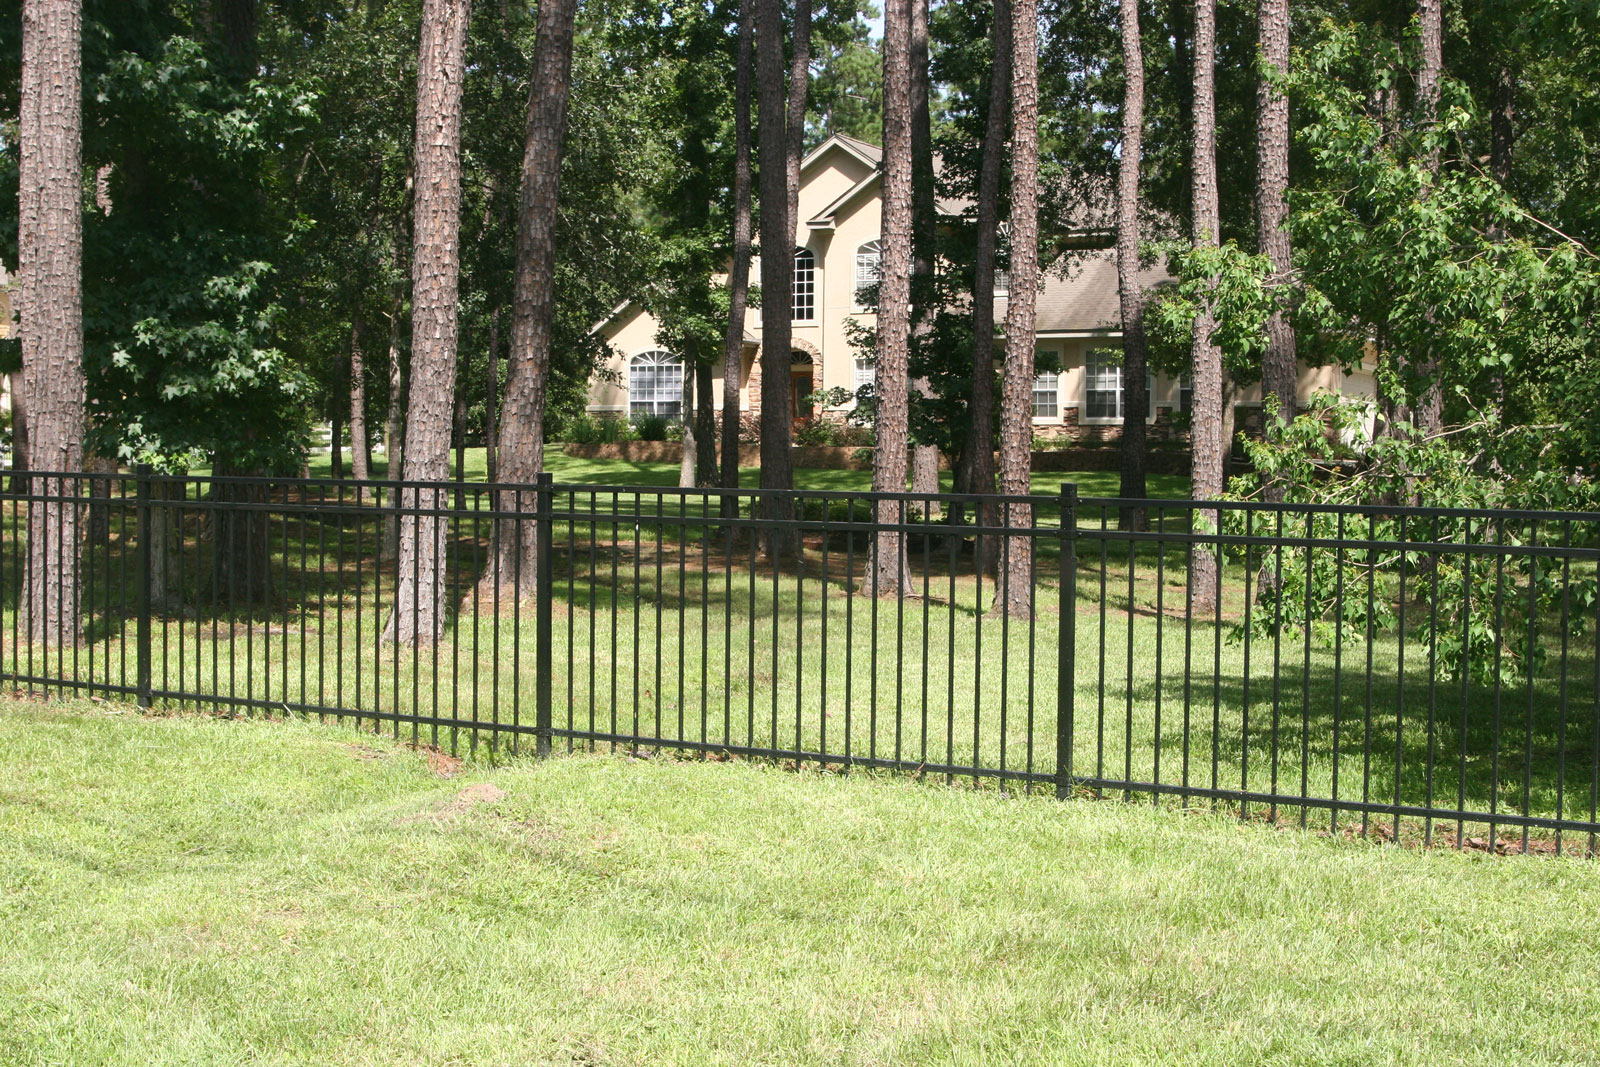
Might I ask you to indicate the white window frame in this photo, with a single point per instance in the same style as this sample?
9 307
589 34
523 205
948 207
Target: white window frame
659 375
804 288
866 373
1096 373
1048 382
1121 392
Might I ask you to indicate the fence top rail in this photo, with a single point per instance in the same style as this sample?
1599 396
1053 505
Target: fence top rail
348 487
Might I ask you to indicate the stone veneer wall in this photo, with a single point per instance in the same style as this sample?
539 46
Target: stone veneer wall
1162 431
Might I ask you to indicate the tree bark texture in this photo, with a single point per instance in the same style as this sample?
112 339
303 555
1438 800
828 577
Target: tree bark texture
50 239
360 451
794 120
458 436
777 274
100 497
241 570
1014 588
705 427
892 385
395 426
739 271
418 616
688 454
979 451
1279 365
924 458
1503 123
1207 432
521 447
19 434
1428 413
1135 396
491 400
336 440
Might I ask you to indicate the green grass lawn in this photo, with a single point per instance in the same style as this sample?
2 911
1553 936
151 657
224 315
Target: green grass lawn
623 472
192 890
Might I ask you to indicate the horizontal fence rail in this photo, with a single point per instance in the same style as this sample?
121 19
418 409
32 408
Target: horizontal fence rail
1405 672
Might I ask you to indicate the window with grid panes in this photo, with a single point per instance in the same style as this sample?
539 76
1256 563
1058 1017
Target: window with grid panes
805 285
655 384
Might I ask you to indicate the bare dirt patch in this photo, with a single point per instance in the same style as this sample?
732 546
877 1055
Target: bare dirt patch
442 763
465 801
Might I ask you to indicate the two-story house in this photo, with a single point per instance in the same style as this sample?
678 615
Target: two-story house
835 257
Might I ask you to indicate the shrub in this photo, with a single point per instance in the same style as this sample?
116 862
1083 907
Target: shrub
814 431
588 430
652 427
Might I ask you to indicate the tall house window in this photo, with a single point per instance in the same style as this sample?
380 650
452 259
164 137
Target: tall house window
805 285
1046 395
1102 384
655 384
869 269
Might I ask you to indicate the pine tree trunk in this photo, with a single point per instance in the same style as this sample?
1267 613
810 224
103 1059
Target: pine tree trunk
777 276
1014 589
1206 434
891 385
688 453
1180 24
979 453
360 454
705 427
458 434
19 434
491 398
794 120
1503 123
336 440
1502 141
418 615
512 562
1279 363
1136 400
1429 411
739 271
100 494
1279 366
50 239
924 458
394 430
241 561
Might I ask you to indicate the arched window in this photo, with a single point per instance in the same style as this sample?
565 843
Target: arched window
655 384
805 285
869 269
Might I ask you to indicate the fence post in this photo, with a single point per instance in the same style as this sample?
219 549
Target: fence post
543 588
1066 654
142 498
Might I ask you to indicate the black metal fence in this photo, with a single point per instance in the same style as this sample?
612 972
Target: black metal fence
1398 671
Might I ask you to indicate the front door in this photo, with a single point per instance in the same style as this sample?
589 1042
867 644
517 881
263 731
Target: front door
800 390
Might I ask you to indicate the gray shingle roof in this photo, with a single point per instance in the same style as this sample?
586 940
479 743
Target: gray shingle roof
1084 298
